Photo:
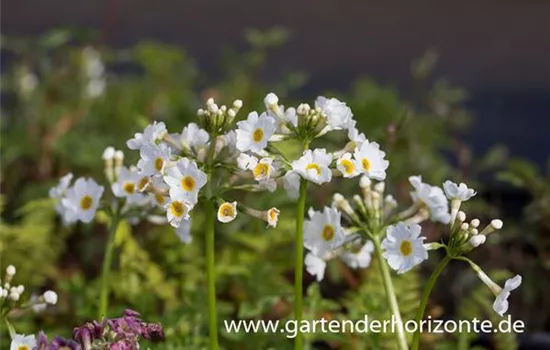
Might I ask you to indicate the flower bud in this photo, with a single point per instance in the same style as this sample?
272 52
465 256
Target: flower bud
50 297
10 270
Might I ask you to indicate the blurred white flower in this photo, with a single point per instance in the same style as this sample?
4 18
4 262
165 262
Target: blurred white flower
185 180
354 135
323 231
58 193
82 200
126 186
404 247
370 160
501 302
254 133
152 134
50 297
315 266
346 165
338 113
291 183
433 197
359 257
273 217
23 342
153 159
193 136
184 231
460 192
227 212
177 211
314 166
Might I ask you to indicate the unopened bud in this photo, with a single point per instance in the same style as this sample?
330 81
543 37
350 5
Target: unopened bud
475 223
477 240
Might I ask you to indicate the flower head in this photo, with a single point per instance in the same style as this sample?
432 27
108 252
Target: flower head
323 231
501 302
177 210
314 166
23 342
273 217
50 297
152 134
315 266
370 160
254 133
404 247
153 159
59 191
338 113
126 186
431 196
82 200
185 180
227 212
359 256
460 192
347 166
193 136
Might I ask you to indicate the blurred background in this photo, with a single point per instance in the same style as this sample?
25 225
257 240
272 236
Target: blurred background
457 90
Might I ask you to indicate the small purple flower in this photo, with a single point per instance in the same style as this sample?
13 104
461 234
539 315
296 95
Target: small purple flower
42 341
89 332
124 345
152 332
59 343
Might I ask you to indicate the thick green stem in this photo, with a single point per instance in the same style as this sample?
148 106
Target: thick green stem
211 275
106 267
390 295
299 266
424 301
210 249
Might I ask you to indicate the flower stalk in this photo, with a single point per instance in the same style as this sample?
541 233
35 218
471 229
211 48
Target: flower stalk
106 267
299 267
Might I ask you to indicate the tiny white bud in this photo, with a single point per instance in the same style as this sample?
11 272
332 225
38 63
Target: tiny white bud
210 101
108 153
231 113
380 187
119 155
238 104
50 297
14 295
213 108
464 226
303 109
461 216
201 112
365 182
477 240
496 224
223 108
20 289
474 231
271 100
475 223
10 270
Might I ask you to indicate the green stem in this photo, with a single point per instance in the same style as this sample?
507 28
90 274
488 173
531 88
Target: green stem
106 268
210 249
299 266
424 301
390 295
11 330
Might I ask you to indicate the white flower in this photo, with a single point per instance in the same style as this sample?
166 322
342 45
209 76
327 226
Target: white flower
358 257
433 197
261 169
404 247
227 212
337 112
273 217
23 342
501 302
177 210
151 135
50 297
160 196
347 166
10 270
82 200
314 166
253 133
460 192
153 159
185 180
184 231
315 266
323 231
193 136
126 186
354 135
59 191
291 183
370 160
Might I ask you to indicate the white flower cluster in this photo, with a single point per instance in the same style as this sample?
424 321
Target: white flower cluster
13 294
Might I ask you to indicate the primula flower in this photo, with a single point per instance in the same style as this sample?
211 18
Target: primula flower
347 166
314 166
153 159
500 304
126 186
227 212
152 134
59 191
431 196
23 342
291 183
254 133
193 136
337 112
458 192
82 200
315 266
357 138
183 231
323 231
359 256
185 180
370 160
177 210
404 247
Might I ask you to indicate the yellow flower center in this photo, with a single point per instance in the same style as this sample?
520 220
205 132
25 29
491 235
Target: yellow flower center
86 202
315 167
23 347
261 170
328 232
129 187
160 199
159 163
273 215
348 166
177 208
143 183
406 248
188 183
226 209
258 135
366 164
